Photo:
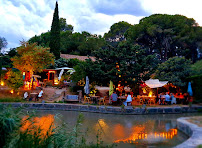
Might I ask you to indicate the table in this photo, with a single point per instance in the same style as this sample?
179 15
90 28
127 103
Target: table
95 99
121 99
146 99
33 95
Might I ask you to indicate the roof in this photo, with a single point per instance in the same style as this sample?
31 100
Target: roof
82 58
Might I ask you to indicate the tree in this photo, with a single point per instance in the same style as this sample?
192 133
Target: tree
167 35
55 34
3 43
41 40
174 70
32 58
64 26
14 80
117 30
127 64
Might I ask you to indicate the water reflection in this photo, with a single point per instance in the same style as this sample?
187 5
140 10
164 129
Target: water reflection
40 126
128 131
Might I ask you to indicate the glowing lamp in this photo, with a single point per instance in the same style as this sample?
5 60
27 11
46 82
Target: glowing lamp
150 93
2 83
12 91
119 75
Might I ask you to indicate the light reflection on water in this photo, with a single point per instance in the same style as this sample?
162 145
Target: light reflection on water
128 130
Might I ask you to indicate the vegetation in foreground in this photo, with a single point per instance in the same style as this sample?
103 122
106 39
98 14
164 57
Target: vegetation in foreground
22 129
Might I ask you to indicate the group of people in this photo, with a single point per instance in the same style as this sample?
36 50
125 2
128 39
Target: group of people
38 96
171 98
114 99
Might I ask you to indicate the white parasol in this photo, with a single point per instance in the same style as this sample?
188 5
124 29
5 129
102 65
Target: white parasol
155 83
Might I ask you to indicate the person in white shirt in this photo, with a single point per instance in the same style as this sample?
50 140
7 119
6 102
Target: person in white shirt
128 99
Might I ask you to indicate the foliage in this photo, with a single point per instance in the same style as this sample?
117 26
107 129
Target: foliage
32 58
174 70
6 59
125 63
196 68
117 30
61 62
196 83
64 26
167 35
14 80
80 71
3 43
9 122
41 40
55 34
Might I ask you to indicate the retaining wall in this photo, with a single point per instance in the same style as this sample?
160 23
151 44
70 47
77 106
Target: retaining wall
192 130
107 109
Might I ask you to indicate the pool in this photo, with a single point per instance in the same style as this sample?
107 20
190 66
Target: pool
128 130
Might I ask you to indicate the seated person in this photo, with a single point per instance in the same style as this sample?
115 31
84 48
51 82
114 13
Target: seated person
167 98
114 97
39 95
161 99
173 99
128 99
26 95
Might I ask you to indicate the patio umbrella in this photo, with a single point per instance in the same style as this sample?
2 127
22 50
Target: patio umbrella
87 87
189 90
111 89
155 83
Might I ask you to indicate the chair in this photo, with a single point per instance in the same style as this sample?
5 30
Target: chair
86 99
102 99
151 100
140 100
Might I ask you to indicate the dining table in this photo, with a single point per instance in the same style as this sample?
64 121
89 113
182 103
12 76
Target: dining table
146 98
95 99
33 95
121 99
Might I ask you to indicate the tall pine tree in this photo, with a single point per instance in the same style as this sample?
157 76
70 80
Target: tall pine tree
55 34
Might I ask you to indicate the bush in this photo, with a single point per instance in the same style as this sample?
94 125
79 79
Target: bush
196 87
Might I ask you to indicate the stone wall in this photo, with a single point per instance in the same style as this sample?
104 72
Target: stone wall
107 109
192 130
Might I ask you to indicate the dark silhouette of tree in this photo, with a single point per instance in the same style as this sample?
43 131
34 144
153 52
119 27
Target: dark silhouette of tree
55 34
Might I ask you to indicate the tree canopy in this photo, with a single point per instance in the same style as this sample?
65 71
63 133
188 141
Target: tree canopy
32 58
174 70
55 34
126 64
167 35
3 43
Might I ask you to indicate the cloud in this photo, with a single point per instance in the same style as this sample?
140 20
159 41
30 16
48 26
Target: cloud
22 19
188 8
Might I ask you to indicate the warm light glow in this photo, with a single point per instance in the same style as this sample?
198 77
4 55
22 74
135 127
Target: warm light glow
27 85
119 75
23 73
2 83
140 134
150 93
56 82
43 125
12 91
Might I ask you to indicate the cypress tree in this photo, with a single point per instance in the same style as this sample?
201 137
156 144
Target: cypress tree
55 34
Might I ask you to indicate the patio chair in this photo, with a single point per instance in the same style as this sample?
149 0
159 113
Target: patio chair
102 100
151 100
86 99
140 100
